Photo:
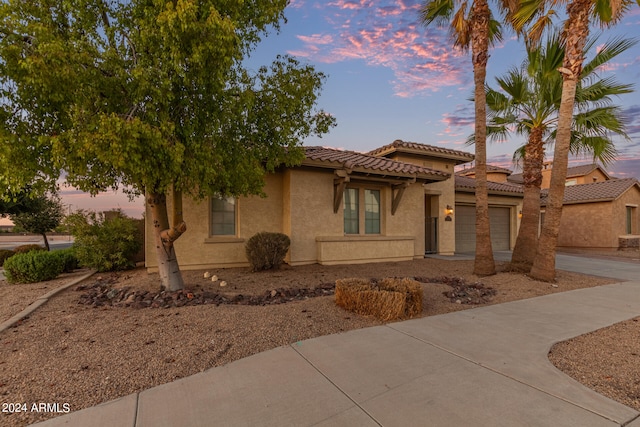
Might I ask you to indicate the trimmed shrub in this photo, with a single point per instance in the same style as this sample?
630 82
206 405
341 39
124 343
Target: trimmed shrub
4 254
31 267
105 243
389 299
23 249
267 250
68 259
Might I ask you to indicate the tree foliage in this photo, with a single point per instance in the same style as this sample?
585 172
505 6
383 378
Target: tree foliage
35 214
149 95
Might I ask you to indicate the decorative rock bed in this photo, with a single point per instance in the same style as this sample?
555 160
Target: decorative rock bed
102 294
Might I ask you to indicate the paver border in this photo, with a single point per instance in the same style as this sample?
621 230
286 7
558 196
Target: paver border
41 301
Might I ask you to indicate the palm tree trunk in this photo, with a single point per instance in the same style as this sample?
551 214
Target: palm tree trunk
575 33
527 241
484 264
168 267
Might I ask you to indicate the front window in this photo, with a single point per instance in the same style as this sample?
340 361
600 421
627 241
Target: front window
223 216
351 208
372 211
361 216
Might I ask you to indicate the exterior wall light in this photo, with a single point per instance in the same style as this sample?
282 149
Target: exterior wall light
449 212
520 214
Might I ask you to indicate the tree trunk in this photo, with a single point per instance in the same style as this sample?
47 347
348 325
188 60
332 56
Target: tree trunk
46 241
168 267
527 241
484 264
575 33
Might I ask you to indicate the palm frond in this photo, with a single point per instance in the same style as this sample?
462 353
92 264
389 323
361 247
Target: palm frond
437 11
610 50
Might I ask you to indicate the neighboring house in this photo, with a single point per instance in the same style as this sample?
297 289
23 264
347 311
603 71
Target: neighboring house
576 175
395 203
599 214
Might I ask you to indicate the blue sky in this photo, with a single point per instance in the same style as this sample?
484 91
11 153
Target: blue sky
390 78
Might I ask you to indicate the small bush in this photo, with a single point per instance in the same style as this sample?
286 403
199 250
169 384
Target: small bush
267 250
68 259
31 267
4 254
28 248
105 243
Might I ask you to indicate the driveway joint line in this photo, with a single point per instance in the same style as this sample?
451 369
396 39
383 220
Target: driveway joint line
337 386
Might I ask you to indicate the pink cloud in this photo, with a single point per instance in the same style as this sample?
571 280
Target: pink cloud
387 33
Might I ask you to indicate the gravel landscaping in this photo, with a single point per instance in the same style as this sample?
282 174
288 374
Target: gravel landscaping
115 334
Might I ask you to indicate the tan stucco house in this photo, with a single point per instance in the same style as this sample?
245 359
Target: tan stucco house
394 203
601 214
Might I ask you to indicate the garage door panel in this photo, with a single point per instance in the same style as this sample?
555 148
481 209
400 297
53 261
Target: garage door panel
499 219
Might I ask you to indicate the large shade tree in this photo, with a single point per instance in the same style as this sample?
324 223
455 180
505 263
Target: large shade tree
152 96
527 101
581 14
472 27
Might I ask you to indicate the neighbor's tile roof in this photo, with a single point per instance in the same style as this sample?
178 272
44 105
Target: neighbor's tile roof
516 178
399 145
490 168
582 170
464 183
593 192
331 157
573 171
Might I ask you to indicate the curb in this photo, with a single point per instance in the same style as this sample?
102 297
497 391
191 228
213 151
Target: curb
41 301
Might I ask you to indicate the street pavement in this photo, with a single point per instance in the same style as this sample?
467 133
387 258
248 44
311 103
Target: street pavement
486 366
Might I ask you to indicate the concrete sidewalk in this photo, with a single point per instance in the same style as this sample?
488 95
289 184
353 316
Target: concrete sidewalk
482 367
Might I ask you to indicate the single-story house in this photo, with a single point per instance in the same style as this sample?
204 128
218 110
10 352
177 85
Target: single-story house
599 214
394 203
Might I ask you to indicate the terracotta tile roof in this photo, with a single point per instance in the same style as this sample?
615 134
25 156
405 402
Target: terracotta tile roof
582 170
358 162
464 183
402 146
490 168
516 178
594 192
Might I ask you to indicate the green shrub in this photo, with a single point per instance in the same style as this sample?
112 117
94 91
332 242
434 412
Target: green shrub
267 250
31 267
23 249
68 259
4 254
105 242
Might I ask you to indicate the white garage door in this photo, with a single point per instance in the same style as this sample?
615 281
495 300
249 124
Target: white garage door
466 228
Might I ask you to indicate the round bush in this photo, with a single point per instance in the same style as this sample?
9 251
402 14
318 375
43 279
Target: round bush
267 250
23 249
31 267
67 258
4 254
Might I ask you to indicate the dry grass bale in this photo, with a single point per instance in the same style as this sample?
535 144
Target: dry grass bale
387 300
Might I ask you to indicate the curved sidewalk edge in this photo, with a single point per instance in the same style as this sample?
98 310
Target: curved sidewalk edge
42 300
481 367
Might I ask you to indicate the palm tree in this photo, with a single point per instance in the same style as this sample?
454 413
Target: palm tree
472 26
575 34
529 99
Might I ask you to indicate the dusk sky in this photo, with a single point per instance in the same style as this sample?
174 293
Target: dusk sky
390 78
